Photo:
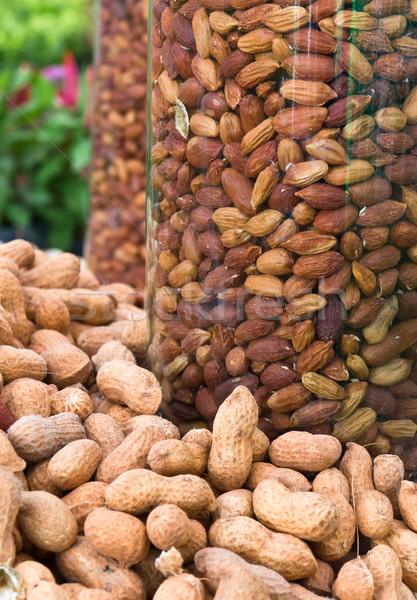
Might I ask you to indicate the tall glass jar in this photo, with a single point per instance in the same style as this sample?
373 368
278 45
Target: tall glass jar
116 237
283 214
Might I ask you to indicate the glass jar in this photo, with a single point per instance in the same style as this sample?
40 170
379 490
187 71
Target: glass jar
283 215
116 236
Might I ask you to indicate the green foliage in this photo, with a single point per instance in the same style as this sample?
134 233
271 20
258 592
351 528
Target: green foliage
39 31
44 150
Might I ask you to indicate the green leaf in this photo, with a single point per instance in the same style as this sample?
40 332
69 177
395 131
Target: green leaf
40 31
6 193
50 170
13 80
43 149
30 155
74 194
51 134
6 164
63 119
61 230
41 98
80 153
18 215
36 197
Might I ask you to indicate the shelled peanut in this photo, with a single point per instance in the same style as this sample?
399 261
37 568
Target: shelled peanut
284 176
279 530
116 237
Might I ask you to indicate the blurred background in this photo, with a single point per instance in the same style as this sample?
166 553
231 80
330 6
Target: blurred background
46 54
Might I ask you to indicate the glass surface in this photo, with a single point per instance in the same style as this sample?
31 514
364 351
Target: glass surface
282 214
116 237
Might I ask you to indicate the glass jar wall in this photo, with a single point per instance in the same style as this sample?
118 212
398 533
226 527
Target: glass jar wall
283 214
116 237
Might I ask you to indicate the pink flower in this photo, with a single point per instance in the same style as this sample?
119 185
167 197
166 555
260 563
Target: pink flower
53 72
66 75
68 95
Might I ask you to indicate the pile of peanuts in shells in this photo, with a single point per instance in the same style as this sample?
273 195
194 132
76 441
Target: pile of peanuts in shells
102 497
116 233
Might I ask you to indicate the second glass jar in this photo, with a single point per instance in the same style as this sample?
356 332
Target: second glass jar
116 235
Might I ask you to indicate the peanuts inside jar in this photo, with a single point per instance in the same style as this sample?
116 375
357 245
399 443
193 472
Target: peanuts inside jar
116 236
283 225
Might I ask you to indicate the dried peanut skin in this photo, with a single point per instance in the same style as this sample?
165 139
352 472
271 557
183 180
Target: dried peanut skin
117 535
61 271
293 480
356 465
134 449
168 526
386 571
126 383
234 503
181 586
18 362
48 338
9 457
11 498
47 521
402 540
20 251
374 514
53 315
104 572
105 431
25 396
308 515
339 544
91 309
109 351
174 458
139 490
406 501
217 563
331 481
38 479
33 573
388 472
248 536
230 456
67 365
74 464
72 399
354 573
13 301
322 580
319 452
84 499
36 438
